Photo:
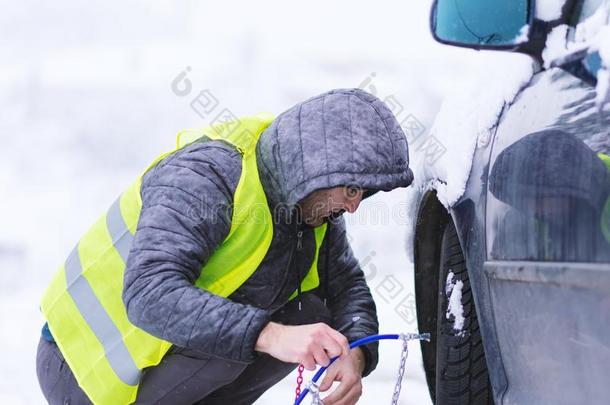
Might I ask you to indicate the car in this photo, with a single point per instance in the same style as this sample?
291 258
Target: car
513 277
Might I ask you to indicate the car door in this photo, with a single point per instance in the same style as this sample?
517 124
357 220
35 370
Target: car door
548 243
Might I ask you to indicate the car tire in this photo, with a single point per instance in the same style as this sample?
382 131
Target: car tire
461 368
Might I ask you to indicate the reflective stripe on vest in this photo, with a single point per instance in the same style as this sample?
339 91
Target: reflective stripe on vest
83 304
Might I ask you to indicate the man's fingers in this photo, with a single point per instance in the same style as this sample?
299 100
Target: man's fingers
341 390
347 393
332 347
328 379
321 357
309 362
352 396
342 340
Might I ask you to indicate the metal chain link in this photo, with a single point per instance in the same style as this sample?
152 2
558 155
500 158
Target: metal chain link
314 390
403 360
297 391
401 369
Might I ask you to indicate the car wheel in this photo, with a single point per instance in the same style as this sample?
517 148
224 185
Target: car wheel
461 368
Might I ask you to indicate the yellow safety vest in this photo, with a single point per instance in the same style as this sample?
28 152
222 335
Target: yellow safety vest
83 304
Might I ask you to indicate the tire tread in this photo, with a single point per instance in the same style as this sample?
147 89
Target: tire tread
461 369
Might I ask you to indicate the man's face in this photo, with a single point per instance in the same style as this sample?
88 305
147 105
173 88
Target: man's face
329 203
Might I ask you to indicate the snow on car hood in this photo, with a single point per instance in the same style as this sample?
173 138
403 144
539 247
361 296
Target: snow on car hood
464 122
470 109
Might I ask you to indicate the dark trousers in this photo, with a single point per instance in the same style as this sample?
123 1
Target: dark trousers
187 376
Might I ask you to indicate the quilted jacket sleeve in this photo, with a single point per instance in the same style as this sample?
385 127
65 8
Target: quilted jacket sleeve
349 297
186 215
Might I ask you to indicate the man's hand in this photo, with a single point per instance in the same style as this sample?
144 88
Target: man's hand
306 344
348 371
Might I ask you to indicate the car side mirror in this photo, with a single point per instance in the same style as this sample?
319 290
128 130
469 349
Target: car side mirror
482 24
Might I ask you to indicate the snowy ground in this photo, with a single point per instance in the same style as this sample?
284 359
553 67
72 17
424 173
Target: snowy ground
86 101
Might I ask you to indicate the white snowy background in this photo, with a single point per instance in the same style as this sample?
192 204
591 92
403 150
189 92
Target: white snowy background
86 102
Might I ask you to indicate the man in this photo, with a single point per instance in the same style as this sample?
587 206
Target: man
227 264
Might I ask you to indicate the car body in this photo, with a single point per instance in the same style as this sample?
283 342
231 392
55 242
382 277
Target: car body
533 226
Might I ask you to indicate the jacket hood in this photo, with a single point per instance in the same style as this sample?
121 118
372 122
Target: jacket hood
338 138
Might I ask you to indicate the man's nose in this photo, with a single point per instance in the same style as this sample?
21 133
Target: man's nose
352 205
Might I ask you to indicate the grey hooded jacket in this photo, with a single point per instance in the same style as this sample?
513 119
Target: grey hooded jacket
342 137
